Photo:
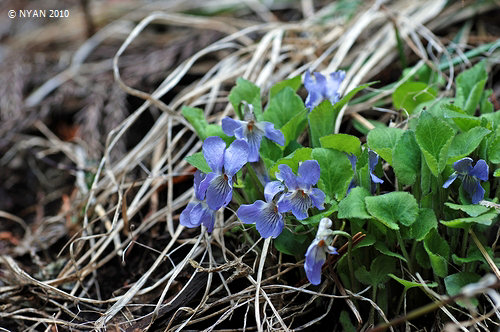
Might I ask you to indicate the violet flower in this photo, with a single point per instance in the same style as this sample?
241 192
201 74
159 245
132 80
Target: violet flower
225 163
197 211
265 215
372 163
322 88
300 195
316 253
252 132
470 176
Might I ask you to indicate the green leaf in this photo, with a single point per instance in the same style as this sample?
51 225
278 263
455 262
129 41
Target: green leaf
463 121
245 91
322 121
439 251
473 255
335 176
270 150
425 178
393 208
472 210
383 141
353 206
426 220
379 270
494 150
197 119
293 128
294 83
485 105
411 284
347 97
422 257
283 107
342 142
294 244
464 144
455 282
406 158
434 137
382 247
292 160
470 86
198 161
410 94
484 219
497 173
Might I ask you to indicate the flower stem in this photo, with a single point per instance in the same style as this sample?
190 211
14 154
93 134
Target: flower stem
238 198
403 250
255 179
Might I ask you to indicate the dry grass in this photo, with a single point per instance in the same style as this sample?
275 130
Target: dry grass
98 239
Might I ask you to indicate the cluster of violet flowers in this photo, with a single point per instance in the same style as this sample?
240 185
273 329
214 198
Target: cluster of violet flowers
290 193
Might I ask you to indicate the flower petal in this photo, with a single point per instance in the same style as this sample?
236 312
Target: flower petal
473 187
270 221
318 198
480 170
332 86
315 258
375 178
250 213
233 127
372 160
309 172
271 189
450 180
309 82
185 217
463 166
284 203
213 151
198 190
478 194
313 99
219 192
273 134
353 159
208 219
253 138
235 157
286 175
301 202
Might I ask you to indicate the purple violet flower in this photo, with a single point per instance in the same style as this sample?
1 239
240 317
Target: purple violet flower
225 163
265 215
470 176
322 88
252 132
316 253
372 163
197 211
300 195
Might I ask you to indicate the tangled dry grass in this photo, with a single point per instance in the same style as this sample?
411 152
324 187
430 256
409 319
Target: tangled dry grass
92 142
